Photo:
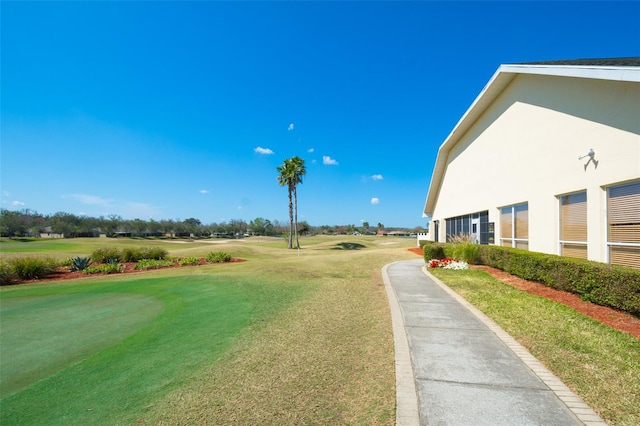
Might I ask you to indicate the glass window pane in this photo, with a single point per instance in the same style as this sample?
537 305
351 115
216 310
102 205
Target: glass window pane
506 222
522 221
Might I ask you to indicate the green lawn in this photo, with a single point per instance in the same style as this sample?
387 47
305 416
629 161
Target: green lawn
600 364
287 337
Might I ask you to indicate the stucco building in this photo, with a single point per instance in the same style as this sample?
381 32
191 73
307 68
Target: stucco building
547 159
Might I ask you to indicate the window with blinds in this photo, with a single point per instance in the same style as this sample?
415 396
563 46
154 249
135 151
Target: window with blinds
624 224
573 225
514 226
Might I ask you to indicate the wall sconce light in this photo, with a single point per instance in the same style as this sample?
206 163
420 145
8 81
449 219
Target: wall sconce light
591 154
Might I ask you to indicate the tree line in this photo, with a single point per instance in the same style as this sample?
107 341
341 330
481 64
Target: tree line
29 223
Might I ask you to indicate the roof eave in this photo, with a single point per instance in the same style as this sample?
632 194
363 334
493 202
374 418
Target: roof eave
498 82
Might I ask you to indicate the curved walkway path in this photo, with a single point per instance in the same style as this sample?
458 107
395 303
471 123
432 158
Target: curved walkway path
454 366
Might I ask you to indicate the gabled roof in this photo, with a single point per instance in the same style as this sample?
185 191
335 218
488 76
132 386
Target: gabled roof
601 69
616 62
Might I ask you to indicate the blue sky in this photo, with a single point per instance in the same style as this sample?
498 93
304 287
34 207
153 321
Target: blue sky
172 110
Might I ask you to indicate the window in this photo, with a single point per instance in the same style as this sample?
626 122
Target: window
573 225
476 225
514 226
624 224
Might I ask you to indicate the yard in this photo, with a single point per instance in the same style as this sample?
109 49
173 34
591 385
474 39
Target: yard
287 337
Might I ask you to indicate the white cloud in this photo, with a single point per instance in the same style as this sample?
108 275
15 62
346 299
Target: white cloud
204 191
377 177
5 193
328 161
18 203
375 200
290 127
90 199
142 210
310 150
261 150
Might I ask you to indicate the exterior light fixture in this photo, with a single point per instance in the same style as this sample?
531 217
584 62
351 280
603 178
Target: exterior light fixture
591 154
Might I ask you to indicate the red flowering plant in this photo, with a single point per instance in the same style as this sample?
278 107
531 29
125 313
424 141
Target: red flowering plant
447 263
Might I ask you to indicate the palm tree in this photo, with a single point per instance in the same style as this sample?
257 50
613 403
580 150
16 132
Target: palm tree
286 178
298 171
291 172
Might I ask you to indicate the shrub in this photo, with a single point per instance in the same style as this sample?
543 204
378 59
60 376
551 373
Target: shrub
80 263
465 248
218 257
608 285
468 252
132 254
152 264
422 243
109 268
157 253
103 254
7 274
32 268
189 261
433 251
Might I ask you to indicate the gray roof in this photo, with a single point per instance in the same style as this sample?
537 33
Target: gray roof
618 62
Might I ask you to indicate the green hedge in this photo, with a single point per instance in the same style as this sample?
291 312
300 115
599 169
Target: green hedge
607 285
128 254
433 251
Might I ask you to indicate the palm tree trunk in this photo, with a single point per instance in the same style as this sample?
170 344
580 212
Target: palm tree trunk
290 218
295 218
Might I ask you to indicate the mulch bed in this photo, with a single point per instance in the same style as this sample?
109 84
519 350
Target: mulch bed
129 268
619 320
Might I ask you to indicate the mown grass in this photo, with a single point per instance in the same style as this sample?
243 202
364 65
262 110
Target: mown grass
600 364
83 247
288 337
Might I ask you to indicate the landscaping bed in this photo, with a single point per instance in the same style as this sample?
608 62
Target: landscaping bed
127 268
618 320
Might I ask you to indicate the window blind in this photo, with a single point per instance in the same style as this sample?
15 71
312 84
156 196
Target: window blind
624 204
625 255
522 221
573 217
574 250
624 224
506 220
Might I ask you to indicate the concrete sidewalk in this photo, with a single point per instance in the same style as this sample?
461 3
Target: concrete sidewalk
454 366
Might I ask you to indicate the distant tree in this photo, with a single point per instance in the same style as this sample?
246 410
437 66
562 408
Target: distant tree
236 226
12 223
65 223
278 228
269 228
287 178
380 226
193 222
365 227
153 226
168 227
138 227
115 222
303 227
192 225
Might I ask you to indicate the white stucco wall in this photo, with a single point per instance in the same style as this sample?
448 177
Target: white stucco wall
525 148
